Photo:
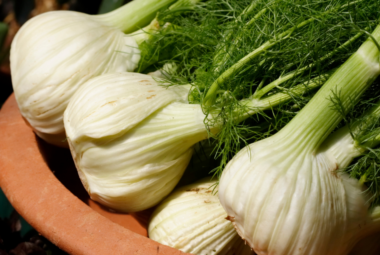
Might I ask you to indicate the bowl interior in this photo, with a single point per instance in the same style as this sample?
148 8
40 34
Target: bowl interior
42 184
61 163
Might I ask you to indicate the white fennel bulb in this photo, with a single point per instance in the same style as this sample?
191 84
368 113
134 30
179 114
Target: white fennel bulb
131 139
284 194
285 204
55 52
192 220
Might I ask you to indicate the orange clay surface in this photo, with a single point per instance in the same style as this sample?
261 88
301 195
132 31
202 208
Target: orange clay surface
42 184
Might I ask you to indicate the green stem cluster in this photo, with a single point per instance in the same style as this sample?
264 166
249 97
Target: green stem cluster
261 92
318 118
249 46
224 52
134 15
210 97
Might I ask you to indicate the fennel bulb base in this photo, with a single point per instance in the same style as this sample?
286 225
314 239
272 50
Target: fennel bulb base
54 139
293 203
131 139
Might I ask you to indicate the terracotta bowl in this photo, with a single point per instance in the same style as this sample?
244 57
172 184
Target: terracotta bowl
42 184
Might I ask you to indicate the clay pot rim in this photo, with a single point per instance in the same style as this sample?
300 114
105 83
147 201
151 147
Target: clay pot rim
32 189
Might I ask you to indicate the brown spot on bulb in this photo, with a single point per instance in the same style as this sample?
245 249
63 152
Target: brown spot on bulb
109 103
230 218
195 189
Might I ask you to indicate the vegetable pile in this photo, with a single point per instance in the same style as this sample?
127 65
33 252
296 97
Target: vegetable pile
278 100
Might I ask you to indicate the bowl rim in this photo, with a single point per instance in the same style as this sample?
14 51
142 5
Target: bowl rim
32 188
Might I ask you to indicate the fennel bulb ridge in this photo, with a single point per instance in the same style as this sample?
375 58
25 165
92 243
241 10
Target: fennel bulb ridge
53 54
283 203
131 139
192 220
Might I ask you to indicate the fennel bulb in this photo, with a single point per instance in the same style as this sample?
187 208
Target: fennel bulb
55 52
131 139
190 131
192 220
284 194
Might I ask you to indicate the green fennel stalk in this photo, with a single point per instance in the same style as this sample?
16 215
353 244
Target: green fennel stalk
139 13
306 41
